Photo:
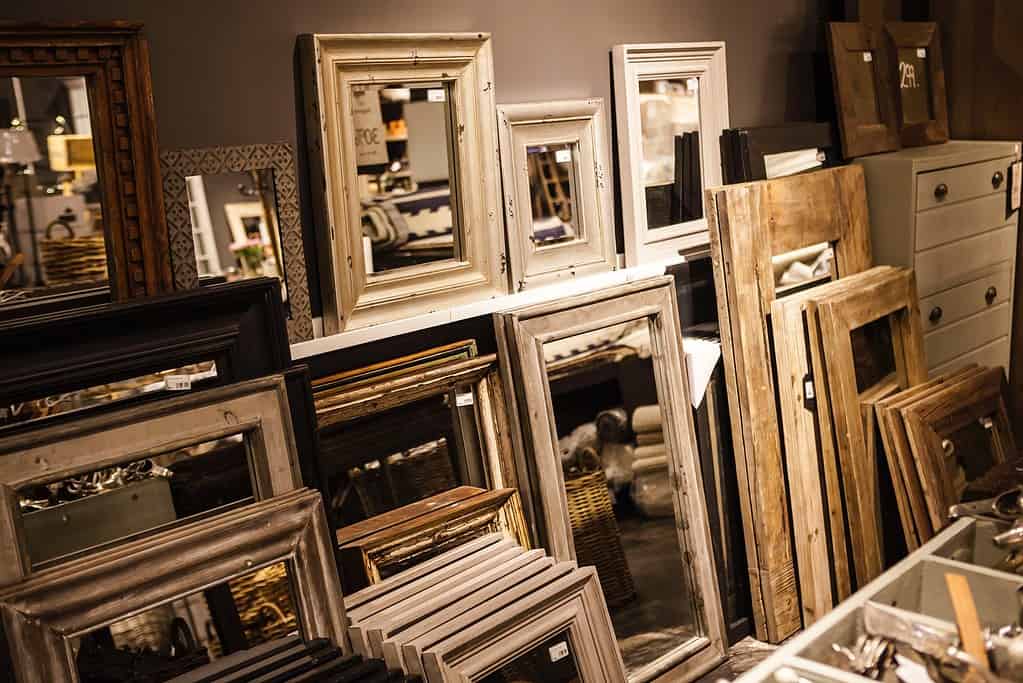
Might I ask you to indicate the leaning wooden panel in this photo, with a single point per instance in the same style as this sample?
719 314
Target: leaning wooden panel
748 222
921 105
42 614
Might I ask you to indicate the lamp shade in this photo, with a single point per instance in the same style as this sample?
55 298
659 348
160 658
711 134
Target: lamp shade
18 146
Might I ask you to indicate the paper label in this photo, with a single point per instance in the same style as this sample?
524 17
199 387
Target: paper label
692 84
868 57
1016 171
558 651
178 382
466 399
370 133
921 52
563 156
436 95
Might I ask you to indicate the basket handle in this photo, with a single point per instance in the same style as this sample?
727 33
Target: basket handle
61 223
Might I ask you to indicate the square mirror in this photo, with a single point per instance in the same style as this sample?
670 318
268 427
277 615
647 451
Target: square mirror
404 173
672 107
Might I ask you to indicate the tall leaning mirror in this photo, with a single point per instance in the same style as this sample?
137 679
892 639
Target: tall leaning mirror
672 105
403 168
80 206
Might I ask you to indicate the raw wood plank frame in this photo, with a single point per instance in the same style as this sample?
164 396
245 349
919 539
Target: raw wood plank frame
522 334
573 121
749 223
630 64
920 35
868 123
331 64
257 408
939 414
894 298
113 57
177 165
574 604
43 613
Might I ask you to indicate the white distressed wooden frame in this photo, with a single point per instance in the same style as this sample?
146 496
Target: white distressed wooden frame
573 122
351 297
636 62
521 337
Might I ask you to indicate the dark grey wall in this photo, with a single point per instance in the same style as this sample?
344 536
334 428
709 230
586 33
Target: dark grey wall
223 69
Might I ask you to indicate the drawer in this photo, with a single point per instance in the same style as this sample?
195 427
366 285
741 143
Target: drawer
961 182
958 338
991 355
958 221
961 262
960 302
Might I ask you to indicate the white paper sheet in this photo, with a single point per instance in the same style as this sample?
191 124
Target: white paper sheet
702 356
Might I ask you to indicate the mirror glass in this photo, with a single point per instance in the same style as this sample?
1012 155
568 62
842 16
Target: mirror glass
95 508
51 217
552 661
915 85
188 633
235 226
553 173
407 174
613 451
669 110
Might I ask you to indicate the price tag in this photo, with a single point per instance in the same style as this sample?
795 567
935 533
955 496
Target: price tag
466 399
1015 183
921 52
370 134
178 382
692 84
558 651
868 57
436 95
563 156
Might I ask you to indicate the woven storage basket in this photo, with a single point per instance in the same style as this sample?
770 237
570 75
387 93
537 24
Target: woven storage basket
596 536
72 259
264 604
423 472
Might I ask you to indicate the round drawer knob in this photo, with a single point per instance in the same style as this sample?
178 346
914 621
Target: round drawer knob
941 191
935 315
997 179
990 295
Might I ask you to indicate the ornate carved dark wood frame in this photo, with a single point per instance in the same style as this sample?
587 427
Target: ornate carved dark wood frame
114 59
176 165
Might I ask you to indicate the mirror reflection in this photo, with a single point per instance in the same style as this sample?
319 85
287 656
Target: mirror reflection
405 156
51 217
235 225
174 638
670 167
553 170
552 661
613 451
116 503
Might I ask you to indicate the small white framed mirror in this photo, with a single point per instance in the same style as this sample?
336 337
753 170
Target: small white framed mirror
557 191
671 107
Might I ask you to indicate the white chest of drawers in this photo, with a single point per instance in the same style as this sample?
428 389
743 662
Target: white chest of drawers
943 210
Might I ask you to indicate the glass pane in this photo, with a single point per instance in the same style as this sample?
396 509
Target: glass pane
669 110
51 237
404 141
867 105
94 508
618 487
186 634
553 170
873 353
552 661
915 85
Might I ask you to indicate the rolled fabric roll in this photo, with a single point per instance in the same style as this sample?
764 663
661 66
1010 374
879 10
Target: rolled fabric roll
612 425
655 451
649 438
652 463
647 419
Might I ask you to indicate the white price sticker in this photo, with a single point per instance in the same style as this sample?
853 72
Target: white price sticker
921 52
436 95
558 651
1016 171
178 382
563 156
868 56
692 84
462 400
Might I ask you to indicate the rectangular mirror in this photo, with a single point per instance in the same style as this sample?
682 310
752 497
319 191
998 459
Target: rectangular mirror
552 661
670 122
553 191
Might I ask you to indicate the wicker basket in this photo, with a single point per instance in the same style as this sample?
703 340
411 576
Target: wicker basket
596 537
423 471
263 600
71 259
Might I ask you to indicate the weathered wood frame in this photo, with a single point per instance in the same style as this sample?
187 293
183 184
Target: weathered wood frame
177 165
906 34
748 224
332 64
630 64
257 408
578 122
893 297
42 614
522 334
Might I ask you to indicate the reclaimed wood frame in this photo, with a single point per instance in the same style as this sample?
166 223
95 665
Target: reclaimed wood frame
630 64
573 603
257 408
930 419
749 223
579 122
848 42
522 334
894 297
331 64
42 614
113 57
177 165
921 35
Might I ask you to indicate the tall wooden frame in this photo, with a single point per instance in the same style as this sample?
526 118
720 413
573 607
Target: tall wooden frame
749 223
895 298
636 62
334 63
924 40
256 408
521 335
42 614
578 122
